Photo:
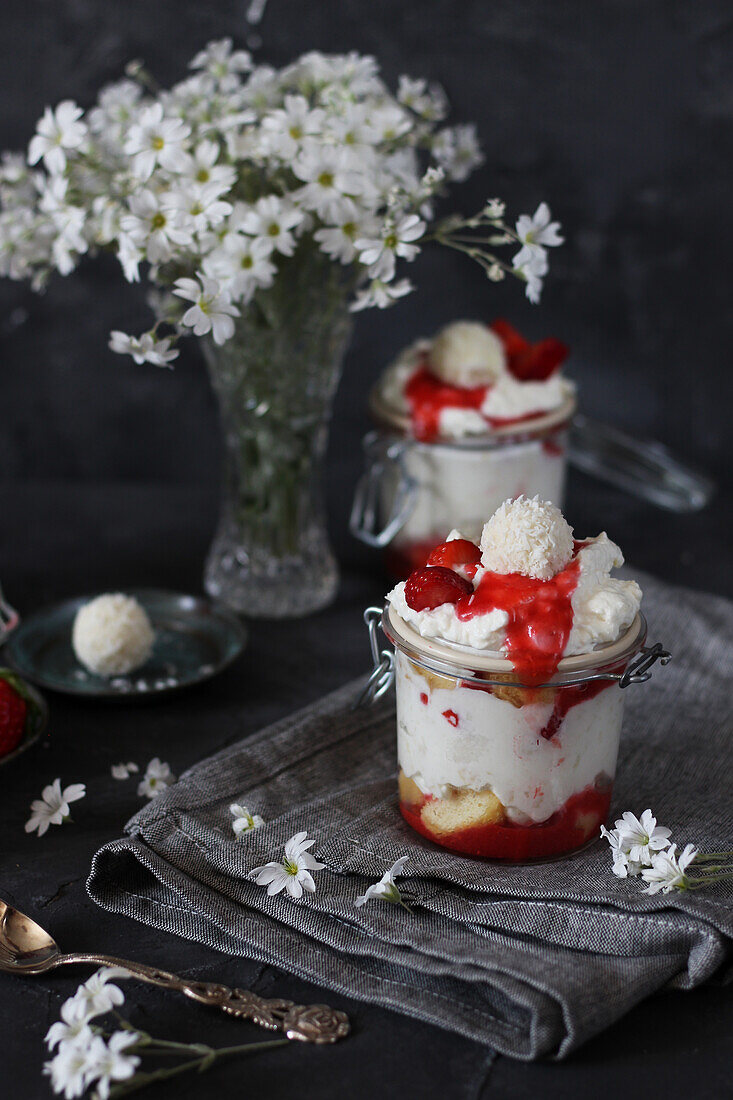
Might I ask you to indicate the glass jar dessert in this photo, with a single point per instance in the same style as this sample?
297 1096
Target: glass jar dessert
473 417
511 660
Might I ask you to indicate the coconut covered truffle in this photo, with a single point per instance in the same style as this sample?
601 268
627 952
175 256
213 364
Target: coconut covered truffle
112 635
531 537
466 353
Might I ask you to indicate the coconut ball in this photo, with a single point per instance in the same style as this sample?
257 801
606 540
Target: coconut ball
467 353
112 635
525 536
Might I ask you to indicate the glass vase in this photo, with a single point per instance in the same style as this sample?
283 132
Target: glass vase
275 381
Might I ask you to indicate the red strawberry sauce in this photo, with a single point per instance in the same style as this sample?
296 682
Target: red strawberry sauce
540 617
427 395
571 827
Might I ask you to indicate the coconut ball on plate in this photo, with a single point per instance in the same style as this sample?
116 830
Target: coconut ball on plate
112 635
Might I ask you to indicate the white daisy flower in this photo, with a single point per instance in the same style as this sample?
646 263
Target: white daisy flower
110 1063
380 295
328 174
57 133
242 265
154 226
272 219
244 821
153 139
98 994
339 240
123 771
537 233
294 873
53 806
287 127
198 205
640 837
73 1025
667 871
158 776
380 254
212 310
386 889
143 349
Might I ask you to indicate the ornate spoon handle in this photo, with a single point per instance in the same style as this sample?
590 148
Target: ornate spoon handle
308 1023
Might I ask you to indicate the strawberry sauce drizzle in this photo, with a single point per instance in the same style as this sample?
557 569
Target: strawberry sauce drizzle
428 396
540 617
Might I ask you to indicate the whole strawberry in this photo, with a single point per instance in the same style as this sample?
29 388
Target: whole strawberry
15 702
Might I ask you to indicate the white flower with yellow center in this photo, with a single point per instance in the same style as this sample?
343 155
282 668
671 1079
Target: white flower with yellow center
212 310
294 873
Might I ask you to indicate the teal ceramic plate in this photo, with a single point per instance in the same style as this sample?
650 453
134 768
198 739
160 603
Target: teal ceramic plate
194 641
35 727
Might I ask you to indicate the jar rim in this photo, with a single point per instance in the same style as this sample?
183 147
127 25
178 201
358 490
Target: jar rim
473 665
388 415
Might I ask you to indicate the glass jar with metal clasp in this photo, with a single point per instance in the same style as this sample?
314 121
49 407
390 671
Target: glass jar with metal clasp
490 766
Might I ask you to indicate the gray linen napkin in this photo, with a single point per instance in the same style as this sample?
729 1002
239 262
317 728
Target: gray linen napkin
533 960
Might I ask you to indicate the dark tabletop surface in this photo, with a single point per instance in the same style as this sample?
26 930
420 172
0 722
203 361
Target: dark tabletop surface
57 541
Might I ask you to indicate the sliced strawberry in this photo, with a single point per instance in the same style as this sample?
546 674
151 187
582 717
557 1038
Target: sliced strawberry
13 711
539 361
455 553
430 587
513 341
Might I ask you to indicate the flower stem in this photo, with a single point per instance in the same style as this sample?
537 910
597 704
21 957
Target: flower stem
141 1080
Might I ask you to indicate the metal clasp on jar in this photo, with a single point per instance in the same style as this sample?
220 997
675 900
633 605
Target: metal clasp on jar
383 670
637 671
380 453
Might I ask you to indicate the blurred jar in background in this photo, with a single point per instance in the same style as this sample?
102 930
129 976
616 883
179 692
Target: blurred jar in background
466 420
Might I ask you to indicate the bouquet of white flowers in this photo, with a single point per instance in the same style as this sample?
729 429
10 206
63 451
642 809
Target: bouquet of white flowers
263 206
218 182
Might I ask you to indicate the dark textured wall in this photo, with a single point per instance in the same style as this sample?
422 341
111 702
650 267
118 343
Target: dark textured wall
618 112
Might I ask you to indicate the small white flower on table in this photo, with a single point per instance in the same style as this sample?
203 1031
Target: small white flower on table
667 871
111 1063
53 806
124 771
634 842
386 889
158 776
98 994
73 1025
293 874
244 821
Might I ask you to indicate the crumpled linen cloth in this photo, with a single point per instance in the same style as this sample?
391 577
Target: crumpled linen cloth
530 960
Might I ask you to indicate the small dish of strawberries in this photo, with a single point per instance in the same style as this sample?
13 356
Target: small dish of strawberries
23 714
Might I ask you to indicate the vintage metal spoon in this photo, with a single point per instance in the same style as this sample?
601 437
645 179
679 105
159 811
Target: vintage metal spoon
26 948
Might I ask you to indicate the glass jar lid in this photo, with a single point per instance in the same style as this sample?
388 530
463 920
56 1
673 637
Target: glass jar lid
481 667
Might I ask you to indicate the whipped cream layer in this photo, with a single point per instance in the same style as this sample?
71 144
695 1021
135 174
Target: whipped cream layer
603 607
491 745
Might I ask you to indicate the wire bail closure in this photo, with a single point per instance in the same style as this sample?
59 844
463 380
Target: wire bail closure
380 454
383 671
